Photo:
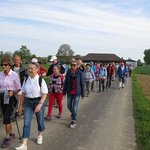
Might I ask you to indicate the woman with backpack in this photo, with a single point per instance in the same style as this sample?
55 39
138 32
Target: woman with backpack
55 92
102 76
34 92
89 78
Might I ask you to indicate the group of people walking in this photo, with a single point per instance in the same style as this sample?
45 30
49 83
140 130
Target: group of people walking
26 91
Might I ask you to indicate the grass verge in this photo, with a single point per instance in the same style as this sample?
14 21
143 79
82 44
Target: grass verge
142 116
142 70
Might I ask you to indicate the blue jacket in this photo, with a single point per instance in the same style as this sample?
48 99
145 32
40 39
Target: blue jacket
102 73
93 68
80 83
120 72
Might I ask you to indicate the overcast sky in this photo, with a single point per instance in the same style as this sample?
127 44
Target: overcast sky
98 26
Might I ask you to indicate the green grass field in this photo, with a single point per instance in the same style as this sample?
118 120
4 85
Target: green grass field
141 111
142 70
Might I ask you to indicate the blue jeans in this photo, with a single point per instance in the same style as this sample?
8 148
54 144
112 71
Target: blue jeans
30 105
72 104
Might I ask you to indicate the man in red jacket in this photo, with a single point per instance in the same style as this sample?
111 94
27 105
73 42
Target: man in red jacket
110 72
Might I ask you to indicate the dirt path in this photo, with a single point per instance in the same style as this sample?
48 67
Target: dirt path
105 122
144 81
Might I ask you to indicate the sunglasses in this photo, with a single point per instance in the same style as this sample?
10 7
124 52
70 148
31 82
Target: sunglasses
73 65
4 65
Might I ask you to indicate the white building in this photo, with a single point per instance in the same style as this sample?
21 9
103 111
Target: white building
131 62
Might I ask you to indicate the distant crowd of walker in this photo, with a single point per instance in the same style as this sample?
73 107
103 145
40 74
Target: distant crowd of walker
23 90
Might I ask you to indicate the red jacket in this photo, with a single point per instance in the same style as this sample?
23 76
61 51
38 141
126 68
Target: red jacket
110 70
41 71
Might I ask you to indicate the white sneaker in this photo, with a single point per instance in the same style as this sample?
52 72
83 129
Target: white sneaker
39 139
72 124
21 147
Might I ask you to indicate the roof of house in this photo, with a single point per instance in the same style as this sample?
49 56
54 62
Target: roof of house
130 60
102 57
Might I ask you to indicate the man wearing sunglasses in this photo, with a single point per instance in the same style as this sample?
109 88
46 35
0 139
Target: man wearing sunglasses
74 88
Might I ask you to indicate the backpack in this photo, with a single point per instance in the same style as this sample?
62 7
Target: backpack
40 81
104 71
88 74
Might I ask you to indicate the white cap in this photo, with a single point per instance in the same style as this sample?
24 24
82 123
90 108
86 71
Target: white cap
34 60
53 58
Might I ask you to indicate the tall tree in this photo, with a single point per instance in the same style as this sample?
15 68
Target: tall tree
65 50
139 63
1 54
48 58
147 56
25 53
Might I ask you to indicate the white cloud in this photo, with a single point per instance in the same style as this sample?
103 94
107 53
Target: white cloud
84 27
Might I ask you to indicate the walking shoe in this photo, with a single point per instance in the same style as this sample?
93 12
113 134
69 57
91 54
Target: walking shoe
55 105
59 116
48 118
21 147
39 139
72 124
6 143
12 136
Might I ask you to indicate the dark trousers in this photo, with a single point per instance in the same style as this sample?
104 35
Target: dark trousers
92 85
8 109
101 84
130 73
109 79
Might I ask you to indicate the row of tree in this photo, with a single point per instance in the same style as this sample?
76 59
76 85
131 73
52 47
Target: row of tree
64 54
64 51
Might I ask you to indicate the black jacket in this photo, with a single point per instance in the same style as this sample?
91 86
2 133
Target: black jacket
50 69
23 74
